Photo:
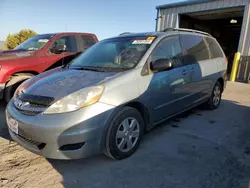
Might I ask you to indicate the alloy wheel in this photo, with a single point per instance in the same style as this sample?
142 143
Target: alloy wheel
216 96
127 134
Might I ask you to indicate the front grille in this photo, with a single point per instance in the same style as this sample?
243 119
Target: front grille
36 100
40 145
28 108
36 105
28 112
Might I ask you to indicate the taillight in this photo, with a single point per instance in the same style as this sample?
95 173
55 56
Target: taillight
226 60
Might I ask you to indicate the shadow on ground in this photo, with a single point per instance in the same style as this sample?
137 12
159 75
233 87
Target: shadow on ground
199 148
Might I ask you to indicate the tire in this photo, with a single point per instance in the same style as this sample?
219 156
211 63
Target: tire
12 85
215 99
127 138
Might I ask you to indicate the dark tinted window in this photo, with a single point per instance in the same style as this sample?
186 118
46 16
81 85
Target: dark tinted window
169 48
214 48
196 47
69 41
84 42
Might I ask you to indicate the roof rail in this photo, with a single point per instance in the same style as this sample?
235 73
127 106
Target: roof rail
186 30
125 33
168 29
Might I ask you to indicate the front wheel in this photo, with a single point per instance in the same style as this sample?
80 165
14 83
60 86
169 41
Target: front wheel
13 84
124 134
215 99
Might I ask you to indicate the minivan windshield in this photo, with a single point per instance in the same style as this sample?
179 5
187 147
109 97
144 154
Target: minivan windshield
34 43
115 54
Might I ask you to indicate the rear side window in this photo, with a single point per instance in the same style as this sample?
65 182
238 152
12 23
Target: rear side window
195 46
214 48
84 42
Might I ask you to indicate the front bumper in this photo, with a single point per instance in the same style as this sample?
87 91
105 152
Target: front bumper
2 86
47 134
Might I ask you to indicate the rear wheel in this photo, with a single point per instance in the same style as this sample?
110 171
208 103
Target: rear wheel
215 99
12 85
124 134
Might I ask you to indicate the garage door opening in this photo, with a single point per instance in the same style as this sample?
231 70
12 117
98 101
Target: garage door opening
224 25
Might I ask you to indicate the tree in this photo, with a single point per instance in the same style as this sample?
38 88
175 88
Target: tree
15 39
11 41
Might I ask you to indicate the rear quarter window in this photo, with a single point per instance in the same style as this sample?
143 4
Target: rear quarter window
214 48
84 42
195 46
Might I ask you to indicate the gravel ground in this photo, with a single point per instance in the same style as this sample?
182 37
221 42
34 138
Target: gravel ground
208 149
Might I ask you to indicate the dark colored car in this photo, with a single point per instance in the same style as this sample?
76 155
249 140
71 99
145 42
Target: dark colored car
38 54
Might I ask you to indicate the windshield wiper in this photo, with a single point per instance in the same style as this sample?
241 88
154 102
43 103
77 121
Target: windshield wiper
90 68
21 49
100 69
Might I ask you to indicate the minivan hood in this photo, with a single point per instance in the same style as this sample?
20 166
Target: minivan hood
15 54
60 82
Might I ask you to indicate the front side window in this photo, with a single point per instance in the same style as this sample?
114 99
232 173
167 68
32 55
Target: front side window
34 43
195 46
68 41
113 54
214 48
169 48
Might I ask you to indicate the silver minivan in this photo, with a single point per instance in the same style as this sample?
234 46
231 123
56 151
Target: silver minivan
106 98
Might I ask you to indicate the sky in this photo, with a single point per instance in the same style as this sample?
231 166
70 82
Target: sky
105 18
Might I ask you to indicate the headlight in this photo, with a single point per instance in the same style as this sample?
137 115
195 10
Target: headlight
76 100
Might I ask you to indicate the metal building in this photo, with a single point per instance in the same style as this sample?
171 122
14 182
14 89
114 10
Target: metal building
226 20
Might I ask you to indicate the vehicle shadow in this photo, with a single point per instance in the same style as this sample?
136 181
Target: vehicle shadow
174 153
4 133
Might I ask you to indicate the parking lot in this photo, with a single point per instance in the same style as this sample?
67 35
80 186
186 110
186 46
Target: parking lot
200 148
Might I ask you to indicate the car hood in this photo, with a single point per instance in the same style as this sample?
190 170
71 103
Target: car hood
58 83
15 54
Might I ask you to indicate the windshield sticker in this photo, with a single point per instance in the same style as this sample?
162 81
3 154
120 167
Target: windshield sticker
142 42
43 40
32 48
150 38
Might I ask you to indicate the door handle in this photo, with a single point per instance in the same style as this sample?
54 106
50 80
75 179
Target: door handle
192 69
184 72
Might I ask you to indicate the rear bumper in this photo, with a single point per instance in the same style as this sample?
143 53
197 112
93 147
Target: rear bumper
2 86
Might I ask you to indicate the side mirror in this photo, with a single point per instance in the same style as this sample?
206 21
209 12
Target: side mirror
161 65
59 48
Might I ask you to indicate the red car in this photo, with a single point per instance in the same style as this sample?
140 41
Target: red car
38 54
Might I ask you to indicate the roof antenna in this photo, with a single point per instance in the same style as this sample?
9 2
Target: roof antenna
66 47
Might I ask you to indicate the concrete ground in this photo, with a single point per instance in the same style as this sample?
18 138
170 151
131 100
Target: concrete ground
208 149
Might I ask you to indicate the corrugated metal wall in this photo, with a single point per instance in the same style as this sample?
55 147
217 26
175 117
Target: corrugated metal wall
244 44
169 17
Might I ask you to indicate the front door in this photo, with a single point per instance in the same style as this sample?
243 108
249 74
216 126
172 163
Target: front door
166 92
55 59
